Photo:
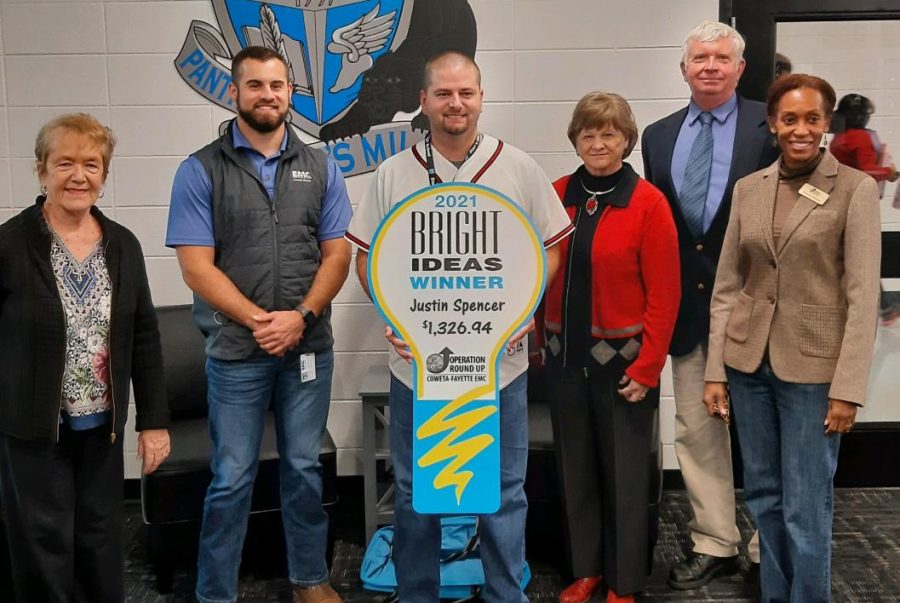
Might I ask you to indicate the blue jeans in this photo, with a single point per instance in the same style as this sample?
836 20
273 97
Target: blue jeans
417 538
240 393
789 465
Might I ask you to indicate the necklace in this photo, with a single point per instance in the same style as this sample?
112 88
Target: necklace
592 204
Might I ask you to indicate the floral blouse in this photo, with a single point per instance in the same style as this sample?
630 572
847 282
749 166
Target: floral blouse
86 294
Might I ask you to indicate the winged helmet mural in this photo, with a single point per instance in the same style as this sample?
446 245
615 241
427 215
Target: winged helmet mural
355 64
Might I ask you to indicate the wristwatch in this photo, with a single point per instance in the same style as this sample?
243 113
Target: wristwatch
309 317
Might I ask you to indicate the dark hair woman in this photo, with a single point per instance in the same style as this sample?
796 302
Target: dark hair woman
792 332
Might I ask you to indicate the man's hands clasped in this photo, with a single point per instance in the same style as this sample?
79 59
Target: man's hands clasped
278 332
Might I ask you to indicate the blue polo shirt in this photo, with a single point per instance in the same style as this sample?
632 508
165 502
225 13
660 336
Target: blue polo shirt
190 212
724 125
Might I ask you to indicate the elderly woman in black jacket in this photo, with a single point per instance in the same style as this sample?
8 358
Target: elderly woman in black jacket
76 326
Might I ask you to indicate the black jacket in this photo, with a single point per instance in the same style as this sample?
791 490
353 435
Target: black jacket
33 331
754 149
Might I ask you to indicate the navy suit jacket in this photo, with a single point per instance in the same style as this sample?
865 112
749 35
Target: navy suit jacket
754 149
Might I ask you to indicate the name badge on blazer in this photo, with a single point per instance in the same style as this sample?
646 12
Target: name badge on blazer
817 196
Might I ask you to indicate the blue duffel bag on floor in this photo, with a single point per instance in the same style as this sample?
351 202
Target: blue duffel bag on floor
462 575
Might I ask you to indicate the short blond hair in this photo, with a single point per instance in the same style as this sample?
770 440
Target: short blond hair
78 123
713 31
444 58
601 109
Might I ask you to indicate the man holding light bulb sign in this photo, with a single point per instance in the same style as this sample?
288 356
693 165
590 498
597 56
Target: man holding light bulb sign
499 209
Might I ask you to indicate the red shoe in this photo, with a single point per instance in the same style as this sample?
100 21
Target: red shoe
579 591
612 597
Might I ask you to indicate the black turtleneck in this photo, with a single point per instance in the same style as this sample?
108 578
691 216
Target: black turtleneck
576 336
599 183
789 173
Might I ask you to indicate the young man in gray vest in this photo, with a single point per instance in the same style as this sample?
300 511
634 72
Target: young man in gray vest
257 220
695 156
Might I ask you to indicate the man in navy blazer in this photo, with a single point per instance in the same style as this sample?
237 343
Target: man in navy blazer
712 64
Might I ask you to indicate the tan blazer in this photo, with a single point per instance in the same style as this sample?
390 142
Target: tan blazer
814 300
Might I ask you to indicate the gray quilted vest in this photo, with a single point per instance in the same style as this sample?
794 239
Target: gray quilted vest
269 249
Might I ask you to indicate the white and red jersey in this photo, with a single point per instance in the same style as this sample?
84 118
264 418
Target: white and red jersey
494 164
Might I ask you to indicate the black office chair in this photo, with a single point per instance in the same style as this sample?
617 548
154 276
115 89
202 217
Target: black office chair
6 593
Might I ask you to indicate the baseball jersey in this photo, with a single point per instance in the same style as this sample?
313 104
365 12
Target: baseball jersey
494 164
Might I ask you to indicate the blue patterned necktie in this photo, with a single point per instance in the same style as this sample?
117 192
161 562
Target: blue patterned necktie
696 176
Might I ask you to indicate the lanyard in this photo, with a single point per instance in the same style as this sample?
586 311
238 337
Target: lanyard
429 158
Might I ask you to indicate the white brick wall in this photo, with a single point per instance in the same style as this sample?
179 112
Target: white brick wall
53 28
114 59
58 80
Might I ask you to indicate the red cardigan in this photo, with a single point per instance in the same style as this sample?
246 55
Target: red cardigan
854 147
638 289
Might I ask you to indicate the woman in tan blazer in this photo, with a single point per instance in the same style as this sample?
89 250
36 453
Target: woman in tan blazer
792 331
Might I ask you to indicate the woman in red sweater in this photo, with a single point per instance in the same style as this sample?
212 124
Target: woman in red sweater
858 146
608 318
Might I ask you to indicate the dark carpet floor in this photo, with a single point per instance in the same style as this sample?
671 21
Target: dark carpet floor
866 562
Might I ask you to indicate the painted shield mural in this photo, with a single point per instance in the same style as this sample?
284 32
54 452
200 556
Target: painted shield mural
356 65
329 45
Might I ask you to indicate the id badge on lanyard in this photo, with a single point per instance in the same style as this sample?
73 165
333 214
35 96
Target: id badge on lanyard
433 178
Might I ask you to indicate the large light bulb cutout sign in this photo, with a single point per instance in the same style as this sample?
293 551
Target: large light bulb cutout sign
456 269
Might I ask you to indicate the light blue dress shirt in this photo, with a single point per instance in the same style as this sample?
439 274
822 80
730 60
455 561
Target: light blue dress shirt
724 126
190 211
266 167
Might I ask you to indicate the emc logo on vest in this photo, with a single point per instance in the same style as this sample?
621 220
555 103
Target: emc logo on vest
301 176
